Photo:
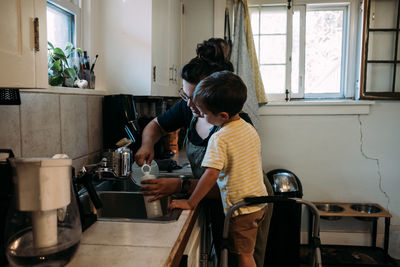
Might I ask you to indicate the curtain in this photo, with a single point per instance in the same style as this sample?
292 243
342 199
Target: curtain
244 59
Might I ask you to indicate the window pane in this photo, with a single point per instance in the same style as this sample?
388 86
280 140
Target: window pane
397 84
383 14
59 26
273 20
381 45
254 19
324 32
379 77
273 49
296 52
273 78
257 46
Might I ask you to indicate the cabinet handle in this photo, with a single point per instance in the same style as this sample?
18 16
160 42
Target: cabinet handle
36 33
154 73
176 74
171 73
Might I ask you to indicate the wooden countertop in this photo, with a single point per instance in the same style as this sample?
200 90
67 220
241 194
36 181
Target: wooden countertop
349 212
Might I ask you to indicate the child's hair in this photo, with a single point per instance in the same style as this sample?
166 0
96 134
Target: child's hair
212 56
222 91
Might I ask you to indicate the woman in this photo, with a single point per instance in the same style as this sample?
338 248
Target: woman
211 57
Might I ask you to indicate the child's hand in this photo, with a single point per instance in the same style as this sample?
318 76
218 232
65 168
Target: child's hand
180 204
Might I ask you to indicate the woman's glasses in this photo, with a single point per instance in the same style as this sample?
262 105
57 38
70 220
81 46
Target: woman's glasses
183 95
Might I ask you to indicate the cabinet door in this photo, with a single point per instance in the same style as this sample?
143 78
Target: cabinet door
21 65
166 41
160 47
192 250
175 29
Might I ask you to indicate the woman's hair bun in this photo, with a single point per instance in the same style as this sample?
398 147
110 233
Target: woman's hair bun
215 51
212 56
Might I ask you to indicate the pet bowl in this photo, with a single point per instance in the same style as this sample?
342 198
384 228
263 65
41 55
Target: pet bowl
330 208
366 209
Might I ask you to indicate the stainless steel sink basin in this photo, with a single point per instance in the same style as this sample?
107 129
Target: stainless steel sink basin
127 207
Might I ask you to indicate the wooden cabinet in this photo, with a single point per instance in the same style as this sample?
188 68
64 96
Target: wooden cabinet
23 44
139 43
381 58
166 32
193 247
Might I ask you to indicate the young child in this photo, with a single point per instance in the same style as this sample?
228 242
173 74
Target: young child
233 160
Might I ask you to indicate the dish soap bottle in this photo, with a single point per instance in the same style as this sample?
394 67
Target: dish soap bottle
153 208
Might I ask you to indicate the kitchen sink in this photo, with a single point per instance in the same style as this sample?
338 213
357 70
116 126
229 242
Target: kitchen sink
127 207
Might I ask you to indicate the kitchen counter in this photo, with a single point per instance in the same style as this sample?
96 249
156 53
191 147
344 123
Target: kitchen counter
120 244
134 244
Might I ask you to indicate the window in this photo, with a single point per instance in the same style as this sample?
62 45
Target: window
306 49
381 77
63 17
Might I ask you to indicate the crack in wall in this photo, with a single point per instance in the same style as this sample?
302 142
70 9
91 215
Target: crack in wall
378 165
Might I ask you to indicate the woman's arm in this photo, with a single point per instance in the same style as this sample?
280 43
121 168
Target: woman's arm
150 136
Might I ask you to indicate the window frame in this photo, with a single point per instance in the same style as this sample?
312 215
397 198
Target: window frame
73 7
351 45
383 95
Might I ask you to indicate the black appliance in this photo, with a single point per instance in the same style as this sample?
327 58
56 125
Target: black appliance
125 116
120 120
6 191
283 244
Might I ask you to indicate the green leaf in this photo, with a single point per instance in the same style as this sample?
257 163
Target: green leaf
59 52
69 46
79 50
69 49
50 45
57 66
71 73
57 80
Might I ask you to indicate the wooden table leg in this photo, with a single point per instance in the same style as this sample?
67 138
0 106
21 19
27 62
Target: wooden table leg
386 238
310 226
374 232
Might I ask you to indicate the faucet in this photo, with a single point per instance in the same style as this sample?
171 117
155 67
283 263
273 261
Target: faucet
102 172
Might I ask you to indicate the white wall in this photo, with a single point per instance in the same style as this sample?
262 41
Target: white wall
120 21
341 158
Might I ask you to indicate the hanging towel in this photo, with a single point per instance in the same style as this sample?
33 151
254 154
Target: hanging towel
245 63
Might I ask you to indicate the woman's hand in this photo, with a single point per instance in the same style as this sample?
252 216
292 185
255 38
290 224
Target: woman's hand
180 204
144 155
161 187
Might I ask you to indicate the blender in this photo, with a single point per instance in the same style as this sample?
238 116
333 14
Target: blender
43 226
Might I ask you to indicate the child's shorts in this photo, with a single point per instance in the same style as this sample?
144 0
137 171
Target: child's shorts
243 232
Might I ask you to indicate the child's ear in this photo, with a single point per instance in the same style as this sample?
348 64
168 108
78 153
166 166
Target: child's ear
224 115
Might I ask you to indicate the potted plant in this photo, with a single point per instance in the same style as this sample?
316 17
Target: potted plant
59 69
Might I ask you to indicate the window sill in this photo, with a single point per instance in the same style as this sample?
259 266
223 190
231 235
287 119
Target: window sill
65 91
316 107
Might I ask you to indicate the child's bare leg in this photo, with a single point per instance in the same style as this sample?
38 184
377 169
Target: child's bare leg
246 260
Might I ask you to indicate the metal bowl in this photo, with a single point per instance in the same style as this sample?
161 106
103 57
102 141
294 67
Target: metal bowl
366 208
330 208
